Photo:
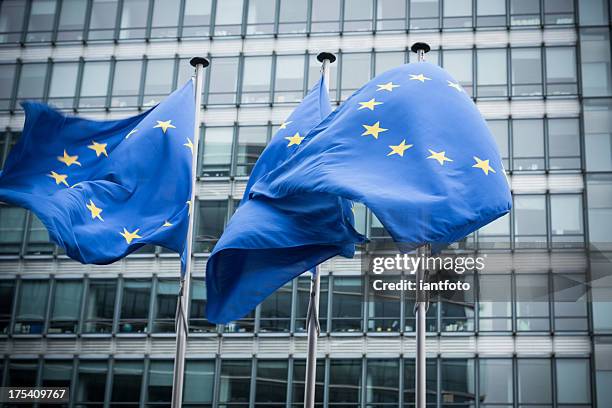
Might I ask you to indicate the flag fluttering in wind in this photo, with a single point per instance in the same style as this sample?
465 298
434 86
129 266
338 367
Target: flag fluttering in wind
269 242
413 147
103 189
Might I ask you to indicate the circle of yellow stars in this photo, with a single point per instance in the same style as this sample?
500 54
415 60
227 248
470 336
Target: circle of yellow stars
100 150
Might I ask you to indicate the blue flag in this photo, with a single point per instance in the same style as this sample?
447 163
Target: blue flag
269 242
103 189
412 146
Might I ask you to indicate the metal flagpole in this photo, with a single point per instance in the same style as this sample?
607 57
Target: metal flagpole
421 305
182 310
312 320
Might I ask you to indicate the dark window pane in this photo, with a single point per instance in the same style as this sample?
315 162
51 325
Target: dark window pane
57 373
211 221
160 381
524 12
495 381
165 306
91 381
251 143
12 220
32 81
197 311
299 373
347 304
31 307
135 306
409 381
271 382
534 385
382 381
275 311
11 20
345 381
100 306
384 308
564 144
303 298
22 373
7 295
235 381
127 379
199 380
458 381
7 79
526 72
66 306
558 12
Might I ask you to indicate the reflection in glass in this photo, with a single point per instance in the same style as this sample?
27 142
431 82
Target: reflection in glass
325 16
347 309
491 73
94 86
345 381
158 81
275 310
530 220
11 20
199 380
256 80
165 19
261 17
251 143
564 144
196 20
40 24
271 383
526 72
235 381
134 19
293 15
91 381
223 78
135 306
390 15
165 306
495 381
382 381
100 306
127 379
528 144
217 151
358 15
31 307
160 381
102 21
289 82
71 20
63 84
66 306
228 20
212 219
534 382
126 83
197 309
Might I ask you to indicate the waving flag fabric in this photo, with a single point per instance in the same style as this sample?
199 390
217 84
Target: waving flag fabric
105 188
412 146
268 243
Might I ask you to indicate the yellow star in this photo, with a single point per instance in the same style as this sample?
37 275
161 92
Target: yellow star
483 165
59 178
131 133
439 156
284 124
400 148
68 160
95 211
369 104
419 77
387 87
167 224
164 125
99 148
294 140
189 144
130 236
373 130
455 85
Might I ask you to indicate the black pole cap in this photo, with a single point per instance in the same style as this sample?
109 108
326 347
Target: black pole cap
199 60
418 46
326 56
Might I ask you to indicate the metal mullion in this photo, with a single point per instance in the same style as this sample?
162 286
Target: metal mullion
111 80
143 76
17 295
56 18
25 236
438 381
374 19
239 79
234 155
477 380
327 365
305 70
546 143
544 71
551 303
73 381
275 29
7 142
117 33
206 85
109 382
217 377
47 83
548 220
309 17
338 76
341 16
272 88
553 378
293 305
176 69
289 395
15 88
509 82
244 21
144 384
364 377
50 293
213 18
152 304
181 20
26 23
407 18
149 20
85 292
515 379
400 382
253 382
87 22
513 297
118 304
79 85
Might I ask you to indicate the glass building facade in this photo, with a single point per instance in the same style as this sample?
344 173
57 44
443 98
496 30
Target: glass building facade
539 71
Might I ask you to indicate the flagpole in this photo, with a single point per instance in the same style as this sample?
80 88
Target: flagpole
182 320
421 304
312 319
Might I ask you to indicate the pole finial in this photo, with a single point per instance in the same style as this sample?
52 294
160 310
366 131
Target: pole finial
326 56
420 46
199 60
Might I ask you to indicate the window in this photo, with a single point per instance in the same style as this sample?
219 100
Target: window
38 242
211 221
7 78
165 19
496 381
573 381
593 12
558 12
457 13
302 301
197 311
299 373
599 189
530 221
347 298
390 15
495 303
534 381
431 382
91 381
31 307
127 379
532 309
275 310
570 293
160 382
388 60
261 17
459 64
22 373
223 77
293 16
63 84
134 19
271 383
524 12
199 381
103 19
595 59
7 295
491 73
251 143
196 20
126 84
71 20
57 373
165 306
499 130
12 221
11 20
382 382
40 24
217 151
325 16
355 72
528 144
66 306
424 14
32 82
384 307
289 82
457 312
135 306
229 17
256 80
431 324
598 134
235 381
566 220
158 81
563 144
491 13
344 382
358 15
527 72
457 381
495 234
100 306
94 86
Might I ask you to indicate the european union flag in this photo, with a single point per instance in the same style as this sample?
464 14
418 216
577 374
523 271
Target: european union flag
269 242
412 146
103 189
